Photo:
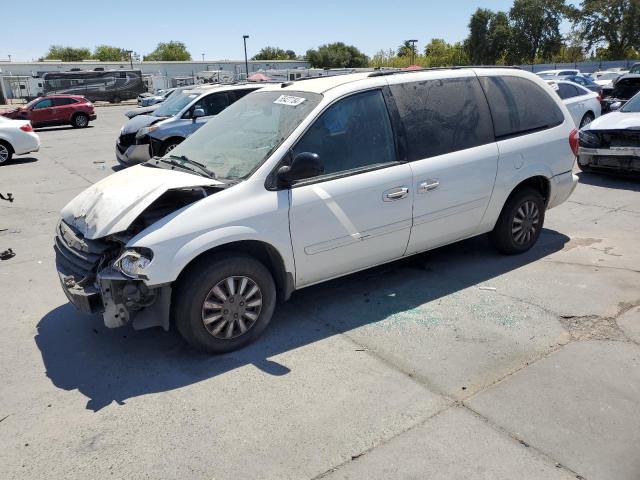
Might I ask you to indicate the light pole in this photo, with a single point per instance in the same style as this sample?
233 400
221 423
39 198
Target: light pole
413 50
9 57
203 57
246 62
129 52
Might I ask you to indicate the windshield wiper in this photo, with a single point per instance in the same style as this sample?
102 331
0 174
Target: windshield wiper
201 166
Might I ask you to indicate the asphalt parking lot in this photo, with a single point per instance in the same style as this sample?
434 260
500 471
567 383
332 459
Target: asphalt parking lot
459 363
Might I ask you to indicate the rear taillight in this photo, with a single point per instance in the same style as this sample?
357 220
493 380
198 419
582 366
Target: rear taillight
599 99
26 127
574 141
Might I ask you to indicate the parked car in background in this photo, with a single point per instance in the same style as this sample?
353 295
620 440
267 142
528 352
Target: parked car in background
605 79
16 138
159 97
303 182
181 114
635 68
585 82
623 89
559 73
612 142
583 104
51 110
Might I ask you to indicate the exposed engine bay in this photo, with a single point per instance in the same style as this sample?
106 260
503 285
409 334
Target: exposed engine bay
90 275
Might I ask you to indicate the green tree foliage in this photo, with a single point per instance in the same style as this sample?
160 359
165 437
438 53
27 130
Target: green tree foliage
67 54
169 51
439 53
614 23
536 28
107 53
407 49
337 55
477 43
500 38
274 53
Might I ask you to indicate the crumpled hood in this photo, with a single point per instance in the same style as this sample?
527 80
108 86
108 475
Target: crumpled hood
112 204
616 121
138 122
141 111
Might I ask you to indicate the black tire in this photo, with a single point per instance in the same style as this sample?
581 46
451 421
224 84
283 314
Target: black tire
6 152
515 213
587 119
116 99
169 145
198 286
80 120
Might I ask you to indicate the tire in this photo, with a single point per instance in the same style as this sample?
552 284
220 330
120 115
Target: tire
525 209
170 145
116 99
204 295
587 119
80 120
6 152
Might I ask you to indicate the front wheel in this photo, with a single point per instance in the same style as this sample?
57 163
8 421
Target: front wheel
6 152
224 304
80 120
587 119
520 222
169 146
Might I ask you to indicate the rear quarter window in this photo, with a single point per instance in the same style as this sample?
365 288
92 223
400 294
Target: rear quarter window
443 116
519 106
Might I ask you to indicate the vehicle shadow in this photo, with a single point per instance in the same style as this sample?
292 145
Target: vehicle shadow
20 161
56 129
624 181
114 365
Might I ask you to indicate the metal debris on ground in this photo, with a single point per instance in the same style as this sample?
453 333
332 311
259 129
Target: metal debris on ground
8 198
7 254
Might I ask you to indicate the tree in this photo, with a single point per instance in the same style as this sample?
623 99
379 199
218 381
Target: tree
439 53
407 49
615 23
536 28
106 53
168 52
337 55
477 43
499 38
274 53
67 54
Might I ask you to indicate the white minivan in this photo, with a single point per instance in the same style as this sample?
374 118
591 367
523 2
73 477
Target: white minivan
302 182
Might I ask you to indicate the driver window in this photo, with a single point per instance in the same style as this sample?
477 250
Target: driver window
352 133
213 104
46 103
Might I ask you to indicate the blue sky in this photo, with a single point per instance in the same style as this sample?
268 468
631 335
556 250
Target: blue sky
216 28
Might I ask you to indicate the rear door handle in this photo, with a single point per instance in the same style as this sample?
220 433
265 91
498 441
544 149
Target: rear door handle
428 185
396 194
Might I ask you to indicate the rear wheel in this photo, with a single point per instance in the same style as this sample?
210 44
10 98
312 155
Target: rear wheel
116 99
587 119
224 304
520 222
6 152
80 120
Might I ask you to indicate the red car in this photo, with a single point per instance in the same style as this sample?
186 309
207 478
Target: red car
55 110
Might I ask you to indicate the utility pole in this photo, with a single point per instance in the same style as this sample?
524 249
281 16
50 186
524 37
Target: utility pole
246 62
130 52
413 50
203 57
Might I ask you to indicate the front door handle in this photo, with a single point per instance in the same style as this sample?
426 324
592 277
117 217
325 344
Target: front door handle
428 185
396 194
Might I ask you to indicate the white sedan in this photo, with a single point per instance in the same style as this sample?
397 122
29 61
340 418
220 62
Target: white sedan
16 138
583 104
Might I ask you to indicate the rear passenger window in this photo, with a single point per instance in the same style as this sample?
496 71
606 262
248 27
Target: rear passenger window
567 91
443 116
235 95
519 106
353 133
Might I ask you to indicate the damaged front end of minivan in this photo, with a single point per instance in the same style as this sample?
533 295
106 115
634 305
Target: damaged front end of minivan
100 273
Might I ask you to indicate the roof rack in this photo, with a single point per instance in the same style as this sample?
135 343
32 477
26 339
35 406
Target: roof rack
382 73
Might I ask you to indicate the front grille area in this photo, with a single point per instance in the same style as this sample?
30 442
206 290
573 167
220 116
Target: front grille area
610 138
127 139
76 256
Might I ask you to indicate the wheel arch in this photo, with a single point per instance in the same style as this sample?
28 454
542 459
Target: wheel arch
7 143
539 183
262 251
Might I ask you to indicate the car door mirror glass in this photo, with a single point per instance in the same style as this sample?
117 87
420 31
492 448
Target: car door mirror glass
198 112
304 165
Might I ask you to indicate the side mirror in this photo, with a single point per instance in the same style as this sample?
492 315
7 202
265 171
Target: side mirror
197 113
304 165
615 106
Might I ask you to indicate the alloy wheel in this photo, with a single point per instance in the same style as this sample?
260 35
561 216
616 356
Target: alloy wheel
232 307
4 153
525 223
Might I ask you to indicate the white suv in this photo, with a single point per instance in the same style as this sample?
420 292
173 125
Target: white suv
306 181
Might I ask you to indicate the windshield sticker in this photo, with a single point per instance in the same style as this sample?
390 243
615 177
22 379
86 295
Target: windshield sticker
289 100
